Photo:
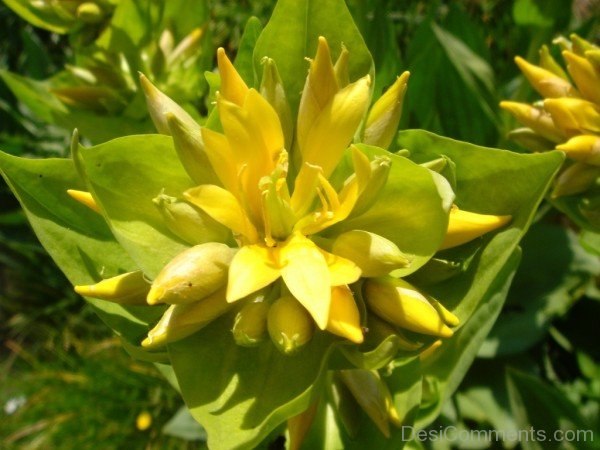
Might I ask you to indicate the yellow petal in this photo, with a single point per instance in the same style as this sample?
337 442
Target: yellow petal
305 272
342 271
574 116
84 198
298 426
384 117
545 82
252 268
233 87
464 226
344 318
128 288
221 159
222 206
549 63
584 76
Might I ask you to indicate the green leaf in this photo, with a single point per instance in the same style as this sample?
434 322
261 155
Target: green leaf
554 273
247 390
77 238
544 409
541 13
124 175
243 59
184 426
416 227
38 17
291 36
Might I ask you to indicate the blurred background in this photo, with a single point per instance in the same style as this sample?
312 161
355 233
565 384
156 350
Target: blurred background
66 382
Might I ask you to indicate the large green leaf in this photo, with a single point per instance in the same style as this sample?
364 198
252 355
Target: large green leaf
244 62
554 418
77 238
291 36
124 175
241 394
411 210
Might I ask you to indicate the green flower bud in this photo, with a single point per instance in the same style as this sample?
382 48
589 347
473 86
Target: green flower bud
374 254
549 63
192 275
575 179
380 330
290 325
399 303
250 324
188 222
380 169
125 289
90 12
180 321
341 68
271 88
529 139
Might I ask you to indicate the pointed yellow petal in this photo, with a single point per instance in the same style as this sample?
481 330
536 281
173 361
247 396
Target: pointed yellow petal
464 226
84 198
573 115
222 206
221 159
342 271
535 118
341 68
344 318
583 148
384 117
252 268
128 288
584 76
233 87
306 275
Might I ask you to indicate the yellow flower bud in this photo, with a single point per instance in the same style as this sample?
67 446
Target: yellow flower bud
399 303
271 88
450 319
593 56
84 198
380 169
535 118
290 325
187 47
549 63
529 139
192 275
379 330
189 223
575 179
341 68
545 82
180 321
90 12
160 104
584 76
574 116
384 117
464 226
344 318
250 324
430 351
580 45
584 148
372 395
298 426
125 289
190 149
374 254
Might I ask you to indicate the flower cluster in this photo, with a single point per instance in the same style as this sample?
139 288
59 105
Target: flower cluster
264 220
568 118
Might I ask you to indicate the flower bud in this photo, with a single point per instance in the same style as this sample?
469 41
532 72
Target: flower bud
584 148
298 426
233 88
593 56
437 270
574 116
464 226
575 179
189 223
192 275
187 47
384 117
579 45
84 198
584 76
535 118
250 324
90 12
380 169
341 68
545 82
549 63
431 350
125 289
372 395
271 88
290 325
180 321
344 318
374 254
529 139
160 104
399 303
450 319
380 330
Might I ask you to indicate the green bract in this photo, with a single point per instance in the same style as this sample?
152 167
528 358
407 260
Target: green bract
284 177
